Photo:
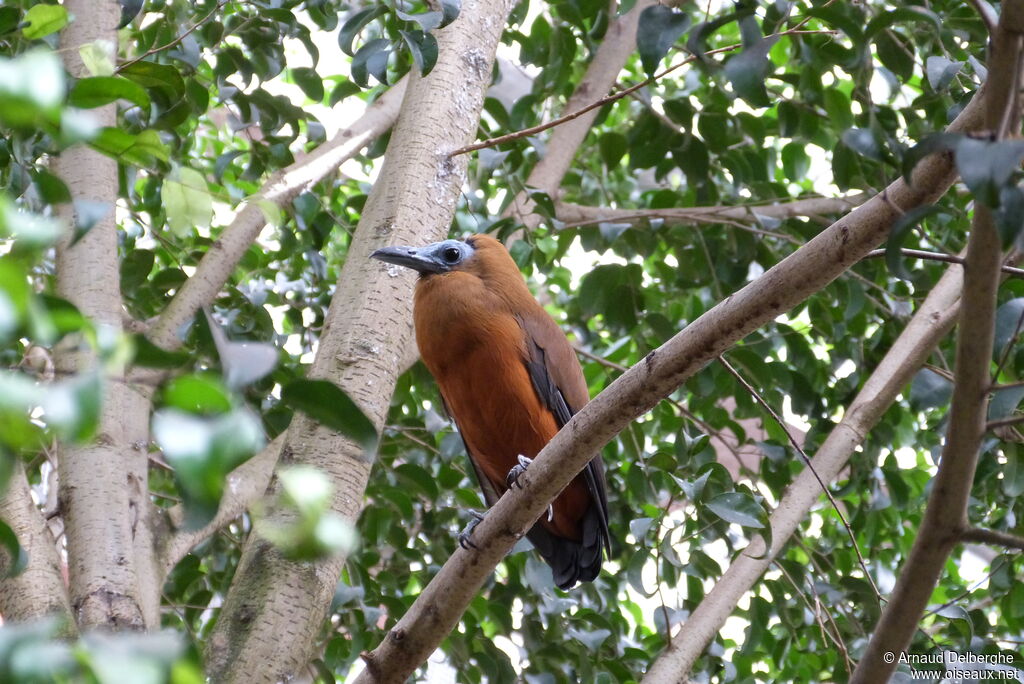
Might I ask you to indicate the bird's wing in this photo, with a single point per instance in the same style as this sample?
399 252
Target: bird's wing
558 380
491 492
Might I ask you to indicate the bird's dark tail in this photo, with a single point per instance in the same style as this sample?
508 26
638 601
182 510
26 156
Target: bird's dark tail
572 561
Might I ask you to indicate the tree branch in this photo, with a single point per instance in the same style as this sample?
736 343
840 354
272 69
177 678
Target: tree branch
245 485
932 322
281 188
993 537
810 466
946 513
603 71
574 215
540 128
938 256
177 40
39 590
812 267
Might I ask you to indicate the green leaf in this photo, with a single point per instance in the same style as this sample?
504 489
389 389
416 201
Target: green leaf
29 230
328 404
42 20
355 24
986 166
901 228
613 148
929 390
658 29
896 54
161 77
129 10
1009 324
738 508
317 532
795 162
837 106
242 363
747 71
149 355
371 59
310 82
97 58
634 571
201 394
1013 474
863 142
450 9
423 47
187 201
904 13
940 71
16 560
72 407
52 189
140 150
135 268
203 451
32 87
1005 401
9 19
428 21
97 91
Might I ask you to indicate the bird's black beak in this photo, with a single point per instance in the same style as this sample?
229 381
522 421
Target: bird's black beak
411 257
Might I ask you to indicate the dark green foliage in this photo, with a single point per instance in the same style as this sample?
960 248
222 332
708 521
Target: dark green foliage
851 102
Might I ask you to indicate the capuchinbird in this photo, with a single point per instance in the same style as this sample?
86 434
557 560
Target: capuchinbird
510 380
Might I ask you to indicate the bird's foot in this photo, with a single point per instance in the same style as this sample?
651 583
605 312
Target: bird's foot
512 479
465 540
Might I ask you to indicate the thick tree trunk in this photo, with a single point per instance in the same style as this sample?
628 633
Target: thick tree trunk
103 485
275 608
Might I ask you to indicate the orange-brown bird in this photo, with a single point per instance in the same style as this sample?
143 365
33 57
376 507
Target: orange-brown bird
510 380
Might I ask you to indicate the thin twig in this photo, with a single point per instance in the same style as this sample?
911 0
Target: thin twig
491 142
1010 344
956 599
1003 422
938 256
817 608
807 462
183 36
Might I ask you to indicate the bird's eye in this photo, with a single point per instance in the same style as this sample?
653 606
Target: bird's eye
451 255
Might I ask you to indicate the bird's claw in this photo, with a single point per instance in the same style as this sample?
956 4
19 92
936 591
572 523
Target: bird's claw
517 471
465 540
512 479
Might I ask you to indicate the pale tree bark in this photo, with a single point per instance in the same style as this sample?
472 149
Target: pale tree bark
39 589
245 485
250 480
618 44
945 517
930 324
275 607
224 254
578 214
440 605
103 485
